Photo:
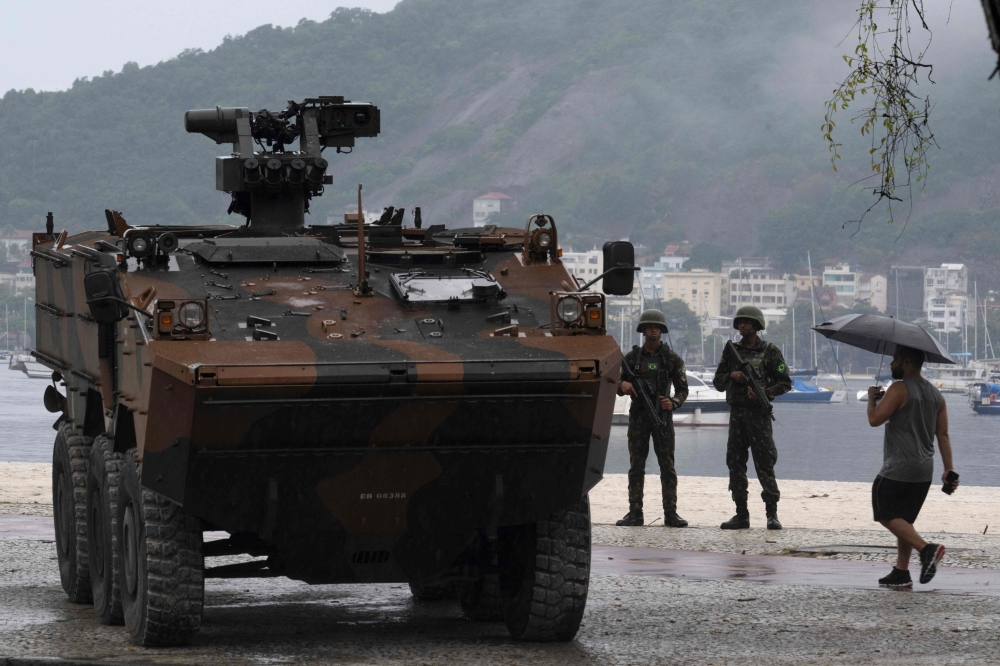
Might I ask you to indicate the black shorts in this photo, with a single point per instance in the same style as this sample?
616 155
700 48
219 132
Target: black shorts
898 499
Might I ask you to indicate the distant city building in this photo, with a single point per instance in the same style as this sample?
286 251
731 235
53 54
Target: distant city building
946 298
584 265
17 237
948 312
872 288
25 277
774 316
844 281
704 292
651 277
947 278
485 205
753 281
800 287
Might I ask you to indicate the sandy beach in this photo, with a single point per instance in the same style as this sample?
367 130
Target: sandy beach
702 500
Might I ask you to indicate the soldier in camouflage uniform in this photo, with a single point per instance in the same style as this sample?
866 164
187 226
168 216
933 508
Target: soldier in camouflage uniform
659 368
749 423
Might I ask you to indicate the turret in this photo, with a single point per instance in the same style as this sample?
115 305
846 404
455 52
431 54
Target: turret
272 187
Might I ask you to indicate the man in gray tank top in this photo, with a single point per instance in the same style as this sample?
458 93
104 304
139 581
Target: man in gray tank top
913 412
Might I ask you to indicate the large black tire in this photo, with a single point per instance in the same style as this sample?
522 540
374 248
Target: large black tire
102 530
162 571
434 591
481 599
69 507
544 575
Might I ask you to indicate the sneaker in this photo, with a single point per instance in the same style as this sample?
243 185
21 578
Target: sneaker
929 557
632 519
671 519
898 579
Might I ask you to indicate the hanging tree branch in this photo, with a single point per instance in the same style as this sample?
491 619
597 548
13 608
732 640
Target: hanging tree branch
885 72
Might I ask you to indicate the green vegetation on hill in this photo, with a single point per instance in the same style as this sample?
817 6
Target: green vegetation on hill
691 104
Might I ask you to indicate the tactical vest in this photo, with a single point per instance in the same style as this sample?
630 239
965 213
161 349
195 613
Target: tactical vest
655 368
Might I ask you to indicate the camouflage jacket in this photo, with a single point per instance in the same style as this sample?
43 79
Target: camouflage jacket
660 369
769 367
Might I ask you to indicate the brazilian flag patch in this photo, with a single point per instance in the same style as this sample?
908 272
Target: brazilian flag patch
653 366
782 367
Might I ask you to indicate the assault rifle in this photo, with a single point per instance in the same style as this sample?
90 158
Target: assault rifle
643 390
747 370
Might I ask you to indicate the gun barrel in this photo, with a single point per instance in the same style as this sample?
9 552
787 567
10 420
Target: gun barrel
218 123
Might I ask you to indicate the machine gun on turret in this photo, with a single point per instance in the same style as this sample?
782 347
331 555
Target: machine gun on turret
272 187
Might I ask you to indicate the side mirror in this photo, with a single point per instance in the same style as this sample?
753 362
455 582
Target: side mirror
104 296
618 254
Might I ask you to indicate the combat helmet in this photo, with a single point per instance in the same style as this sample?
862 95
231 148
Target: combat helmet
752 313
652 317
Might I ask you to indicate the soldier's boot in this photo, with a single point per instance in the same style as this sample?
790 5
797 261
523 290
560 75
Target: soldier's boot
741 521
671 519
772 517
633 518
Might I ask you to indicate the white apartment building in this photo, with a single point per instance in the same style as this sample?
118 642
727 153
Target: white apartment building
24 279
946 298
486 204
948 311
947 278
584 265
844 281
704 292
755 282
873 288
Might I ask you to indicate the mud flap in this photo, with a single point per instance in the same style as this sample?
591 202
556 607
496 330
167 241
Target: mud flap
166 471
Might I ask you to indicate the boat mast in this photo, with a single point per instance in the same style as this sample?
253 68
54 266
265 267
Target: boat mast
812 301
975 338
794 365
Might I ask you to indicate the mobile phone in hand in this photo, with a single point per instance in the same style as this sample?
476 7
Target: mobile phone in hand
947 488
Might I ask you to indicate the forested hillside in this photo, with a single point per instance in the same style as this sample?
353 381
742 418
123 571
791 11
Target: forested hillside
653 119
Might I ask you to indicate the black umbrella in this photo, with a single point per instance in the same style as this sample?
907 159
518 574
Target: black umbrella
881 335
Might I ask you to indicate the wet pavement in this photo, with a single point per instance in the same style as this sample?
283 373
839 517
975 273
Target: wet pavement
780 570
689 564
646 605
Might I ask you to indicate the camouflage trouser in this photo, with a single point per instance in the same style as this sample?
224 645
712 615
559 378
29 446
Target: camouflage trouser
640 428
750 431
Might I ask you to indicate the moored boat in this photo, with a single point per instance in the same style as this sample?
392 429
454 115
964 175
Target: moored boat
802 392
984 398
704 406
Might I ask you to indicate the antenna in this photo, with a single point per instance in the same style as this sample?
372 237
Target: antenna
363 288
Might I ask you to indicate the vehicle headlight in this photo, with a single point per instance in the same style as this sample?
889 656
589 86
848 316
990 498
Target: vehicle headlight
191 315
140 245
544 240
569 309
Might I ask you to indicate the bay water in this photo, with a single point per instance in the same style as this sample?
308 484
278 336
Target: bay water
823 442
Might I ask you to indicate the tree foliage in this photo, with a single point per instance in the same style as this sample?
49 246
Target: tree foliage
885 72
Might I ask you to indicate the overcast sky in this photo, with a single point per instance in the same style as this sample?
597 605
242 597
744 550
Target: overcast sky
46 44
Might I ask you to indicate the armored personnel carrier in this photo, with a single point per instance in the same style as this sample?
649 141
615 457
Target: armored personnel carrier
349 403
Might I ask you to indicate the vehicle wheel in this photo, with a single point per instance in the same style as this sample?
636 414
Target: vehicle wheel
481 600
69 507
162 570
102 530
433 591
544 574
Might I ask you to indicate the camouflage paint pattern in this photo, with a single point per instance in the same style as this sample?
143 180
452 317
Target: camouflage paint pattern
328 444
661 370
750 429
